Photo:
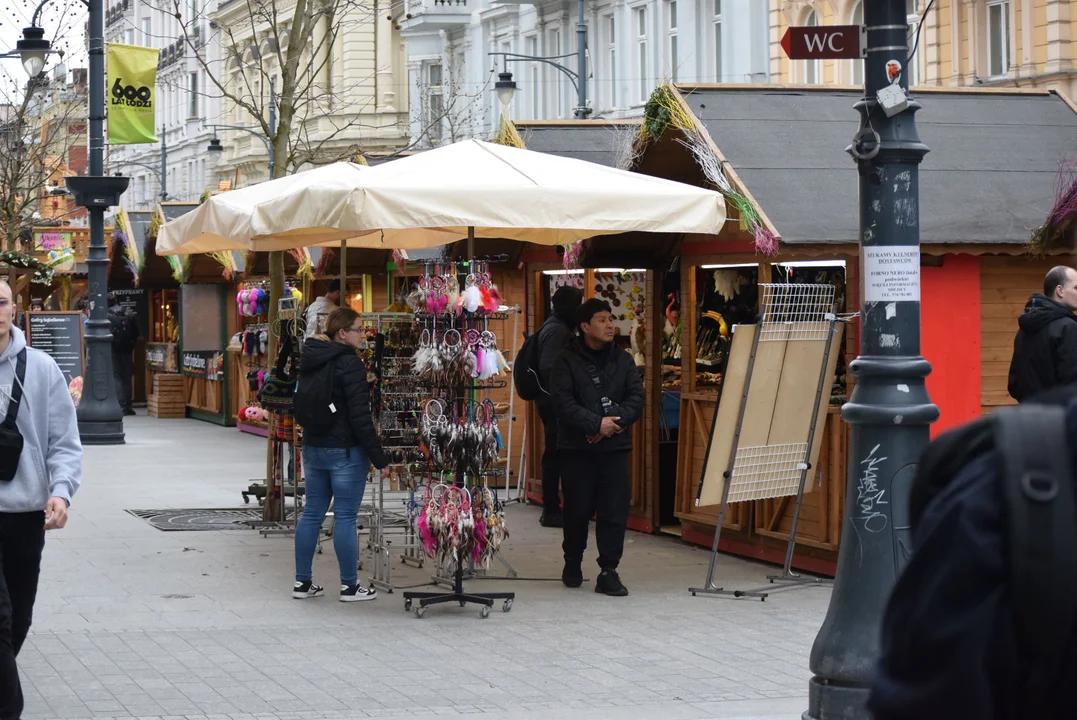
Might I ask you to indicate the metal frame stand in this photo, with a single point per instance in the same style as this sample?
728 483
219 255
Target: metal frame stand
787 578
709 587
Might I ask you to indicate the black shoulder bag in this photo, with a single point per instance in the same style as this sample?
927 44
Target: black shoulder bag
10 437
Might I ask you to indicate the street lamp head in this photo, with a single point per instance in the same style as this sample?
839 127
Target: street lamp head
32 49
505 88
215 146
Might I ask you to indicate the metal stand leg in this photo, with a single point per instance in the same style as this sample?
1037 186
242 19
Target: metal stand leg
710 588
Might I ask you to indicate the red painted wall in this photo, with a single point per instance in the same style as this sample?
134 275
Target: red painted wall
950 338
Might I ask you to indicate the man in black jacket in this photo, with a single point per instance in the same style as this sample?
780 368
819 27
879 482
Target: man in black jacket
597 392
553 336
1045 349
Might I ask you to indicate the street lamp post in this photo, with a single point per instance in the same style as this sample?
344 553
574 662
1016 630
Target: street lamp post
100 418
889 410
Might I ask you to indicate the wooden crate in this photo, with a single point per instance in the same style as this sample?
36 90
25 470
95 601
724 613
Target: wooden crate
167 399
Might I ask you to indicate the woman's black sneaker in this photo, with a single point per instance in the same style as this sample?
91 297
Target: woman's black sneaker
572 575
609 583
304 590
356 593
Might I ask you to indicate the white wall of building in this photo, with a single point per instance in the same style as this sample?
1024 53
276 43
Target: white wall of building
633 45
184 101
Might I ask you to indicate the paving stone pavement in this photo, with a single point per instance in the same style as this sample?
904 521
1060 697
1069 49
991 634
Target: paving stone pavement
133 622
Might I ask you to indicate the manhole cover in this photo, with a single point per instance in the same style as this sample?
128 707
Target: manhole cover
195 520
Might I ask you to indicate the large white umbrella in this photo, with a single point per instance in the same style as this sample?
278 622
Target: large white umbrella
434 197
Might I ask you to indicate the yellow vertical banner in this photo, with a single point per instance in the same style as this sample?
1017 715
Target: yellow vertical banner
132 94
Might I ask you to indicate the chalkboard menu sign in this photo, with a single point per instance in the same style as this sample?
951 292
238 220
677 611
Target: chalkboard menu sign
60 335
208 364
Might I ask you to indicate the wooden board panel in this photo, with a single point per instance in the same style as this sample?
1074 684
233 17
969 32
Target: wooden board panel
721 445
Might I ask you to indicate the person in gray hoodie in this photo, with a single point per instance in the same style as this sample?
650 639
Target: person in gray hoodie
36 498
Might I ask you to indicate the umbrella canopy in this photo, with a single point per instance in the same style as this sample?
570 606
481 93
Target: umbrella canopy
432 198
223 222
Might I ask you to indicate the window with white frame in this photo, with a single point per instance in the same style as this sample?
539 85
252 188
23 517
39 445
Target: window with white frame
641 53
555 84
813 69
912 18
671 43
193 98
856 67
716 41
435 101
192 11
129 36
534 85
147 36
998 38
611 56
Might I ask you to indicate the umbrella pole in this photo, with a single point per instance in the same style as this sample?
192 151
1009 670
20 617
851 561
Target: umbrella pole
470 242
343 271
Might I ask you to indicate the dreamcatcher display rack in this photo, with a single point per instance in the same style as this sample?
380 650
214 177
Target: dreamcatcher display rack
456 514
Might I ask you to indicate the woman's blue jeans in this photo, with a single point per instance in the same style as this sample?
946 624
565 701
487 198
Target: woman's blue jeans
331 473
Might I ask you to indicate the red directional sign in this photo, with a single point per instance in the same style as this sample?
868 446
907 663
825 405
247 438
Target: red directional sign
823 42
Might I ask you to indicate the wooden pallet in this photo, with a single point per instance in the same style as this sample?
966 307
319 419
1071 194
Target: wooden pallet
165 409
167 399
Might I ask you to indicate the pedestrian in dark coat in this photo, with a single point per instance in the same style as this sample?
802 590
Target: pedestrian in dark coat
598 394
1045 348
553 336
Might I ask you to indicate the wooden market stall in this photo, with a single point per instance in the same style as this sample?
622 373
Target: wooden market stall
792 200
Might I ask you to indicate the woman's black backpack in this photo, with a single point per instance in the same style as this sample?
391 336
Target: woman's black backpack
314 407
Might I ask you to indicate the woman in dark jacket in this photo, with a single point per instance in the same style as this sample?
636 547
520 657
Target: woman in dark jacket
339 445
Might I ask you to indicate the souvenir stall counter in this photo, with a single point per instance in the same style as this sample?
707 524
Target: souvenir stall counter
719 291
207 322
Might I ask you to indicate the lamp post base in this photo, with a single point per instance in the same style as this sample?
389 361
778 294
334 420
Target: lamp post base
104 432
829 701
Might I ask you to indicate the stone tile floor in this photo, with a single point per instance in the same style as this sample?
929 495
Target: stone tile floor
133 622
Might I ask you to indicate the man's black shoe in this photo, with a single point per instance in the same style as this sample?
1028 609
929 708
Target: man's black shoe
129 412
572 575
552 519
609 583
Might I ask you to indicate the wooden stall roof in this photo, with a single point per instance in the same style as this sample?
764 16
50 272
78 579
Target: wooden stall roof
591 140
990 174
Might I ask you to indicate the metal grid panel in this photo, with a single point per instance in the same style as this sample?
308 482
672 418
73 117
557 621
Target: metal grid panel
767 471
796 311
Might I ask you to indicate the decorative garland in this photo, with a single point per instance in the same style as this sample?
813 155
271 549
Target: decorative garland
303 260
1054 231
42 272
179 267
664 110
131 252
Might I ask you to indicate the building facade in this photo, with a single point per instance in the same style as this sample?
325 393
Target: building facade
351 96
214 53
980 43
456 50
178 163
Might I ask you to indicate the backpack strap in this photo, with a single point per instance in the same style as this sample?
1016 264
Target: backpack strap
1037 484
16 390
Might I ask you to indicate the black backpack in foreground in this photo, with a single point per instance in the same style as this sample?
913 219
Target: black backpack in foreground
982 618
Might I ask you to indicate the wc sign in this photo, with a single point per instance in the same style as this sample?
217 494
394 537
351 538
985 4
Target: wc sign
824 42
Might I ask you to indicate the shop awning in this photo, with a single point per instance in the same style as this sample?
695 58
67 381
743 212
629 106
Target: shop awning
989 177
434 197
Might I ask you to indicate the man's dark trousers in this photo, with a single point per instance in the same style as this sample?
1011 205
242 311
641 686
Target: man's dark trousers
551 461
22 538
123 369
596 484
